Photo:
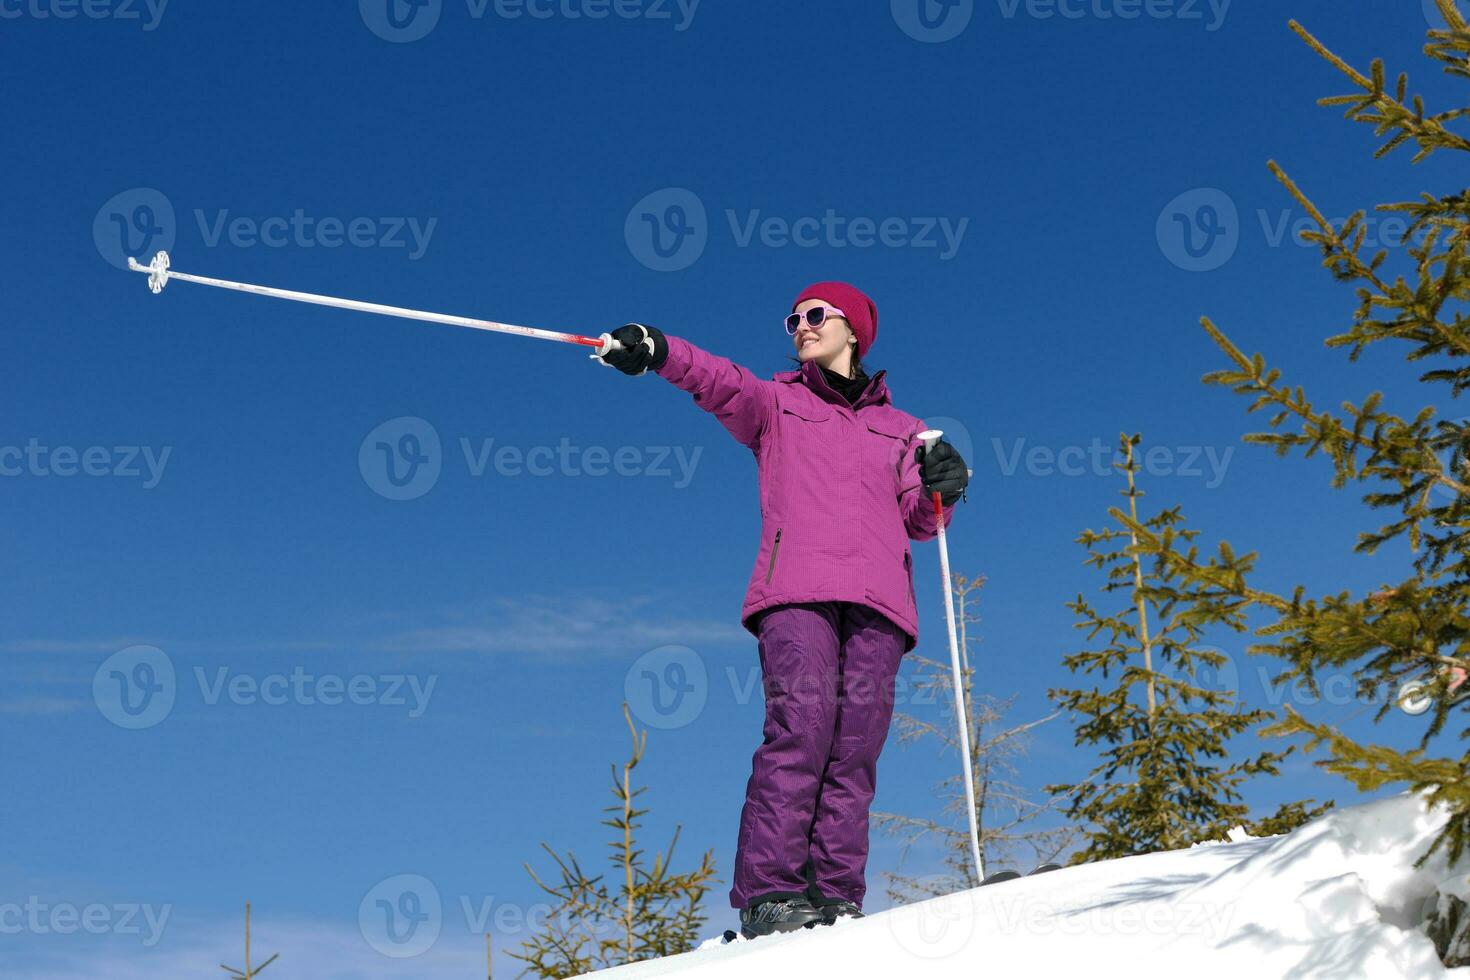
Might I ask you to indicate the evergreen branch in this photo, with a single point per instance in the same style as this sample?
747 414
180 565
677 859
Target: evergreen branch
1383 110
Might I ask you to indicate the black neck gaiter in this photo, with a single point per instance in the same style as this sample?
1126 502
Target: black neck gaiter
849 388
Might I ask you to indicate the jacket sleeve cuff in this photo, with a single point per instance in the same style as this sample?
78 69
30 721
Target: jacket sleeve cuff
676 363
920 523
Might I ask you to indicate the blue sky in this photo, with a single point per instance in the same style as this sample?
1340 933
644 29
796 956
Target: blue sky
1042 197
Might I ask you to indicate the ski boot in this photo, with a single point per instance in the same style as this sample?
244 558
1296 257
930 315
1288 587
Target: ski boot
778 915
832 911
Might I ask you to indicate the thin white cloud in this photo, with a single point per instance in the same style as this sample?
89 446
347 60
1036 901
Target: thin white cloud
43 706
44 645
198 949
104 647
544 625
562 625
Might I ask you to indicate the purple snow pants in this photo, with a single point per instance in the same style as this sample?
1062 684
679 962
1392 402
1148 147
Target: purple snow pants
829 670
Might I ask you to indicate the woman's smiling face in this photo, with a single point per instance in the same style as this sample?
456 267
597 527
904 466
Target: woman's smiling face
825 343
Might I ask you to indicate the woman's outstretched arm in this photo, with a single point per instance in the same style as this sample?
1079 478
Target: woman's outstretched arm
742 402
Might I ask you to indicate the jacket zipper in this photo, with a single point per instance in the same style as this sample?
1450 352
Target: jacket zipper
771 564
909 570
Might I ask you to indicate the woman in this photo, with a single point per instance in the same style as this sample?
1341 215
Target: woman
844 485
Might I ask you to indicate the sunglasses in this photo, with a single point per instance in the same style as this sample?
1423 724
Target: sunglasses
815 317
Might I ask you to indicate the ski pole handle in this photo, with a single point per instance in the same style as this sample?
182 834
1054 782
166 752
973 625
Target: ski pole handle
610 343
606 346
929 438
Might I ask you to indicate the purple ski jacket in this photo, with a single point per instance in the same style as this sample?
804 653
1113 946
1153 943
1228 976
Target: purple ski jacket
840 489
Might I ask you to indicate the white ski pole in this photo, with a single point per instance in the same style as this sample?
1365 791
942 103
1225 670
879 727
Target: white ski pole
930 437
159 275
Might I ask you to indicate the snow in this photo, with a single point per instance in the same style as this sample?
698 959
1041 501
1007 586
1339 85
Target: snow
1336 898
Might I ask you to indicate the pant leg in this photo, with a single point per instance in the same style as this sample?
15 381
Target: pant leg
872 647
798 652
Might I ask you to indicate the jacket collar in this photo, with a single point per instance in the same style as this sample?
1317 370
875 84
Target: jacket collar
810 374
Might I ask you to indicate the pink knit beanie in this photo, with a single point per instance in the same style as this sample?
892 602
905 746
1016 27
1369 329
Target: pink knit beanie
861 313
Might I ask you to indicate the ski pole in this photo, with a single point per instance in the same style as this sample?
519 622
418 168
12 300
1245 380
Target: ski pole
159 275
930 437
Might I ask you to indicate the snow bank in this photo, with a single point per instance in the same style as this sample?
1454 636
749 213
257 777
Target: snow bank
1337 898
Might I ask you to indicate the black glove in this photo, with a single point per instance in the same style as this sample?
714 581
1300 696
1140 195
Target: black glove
644 348
943 469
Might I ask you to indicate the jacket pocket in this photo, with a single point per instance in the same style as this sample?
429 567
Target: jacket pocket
805 406
908 567
890 439
771 562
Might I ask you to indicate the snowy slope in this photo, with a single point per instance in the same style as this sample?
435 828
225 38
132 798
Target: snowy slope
1336 898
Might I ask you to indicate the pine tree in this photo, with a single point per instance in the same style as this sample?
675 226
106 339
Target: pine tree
1161 729
1419 467
653 912
991 770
